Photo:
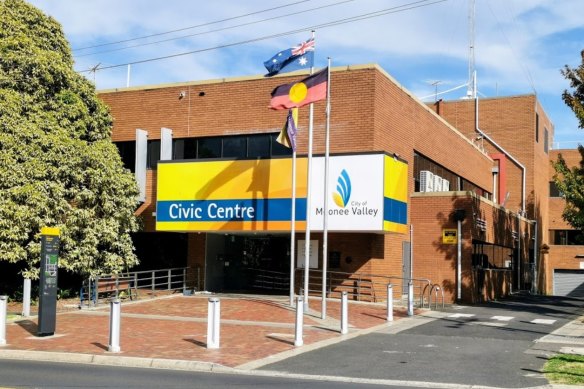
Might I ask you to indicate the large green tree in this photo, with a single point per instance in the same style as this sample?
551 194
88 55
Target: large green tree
58 166
570 180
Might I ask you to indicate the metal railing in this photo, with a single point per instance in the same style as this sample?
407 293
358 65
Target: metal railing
100 288
365 286
269 279
359 286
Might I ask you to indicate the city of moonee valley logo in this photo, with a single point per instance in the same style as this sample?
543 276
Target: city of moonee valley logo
343 194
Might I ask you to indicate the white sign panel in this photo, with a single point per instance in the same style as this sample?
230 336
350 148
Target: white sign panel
355 193
313 254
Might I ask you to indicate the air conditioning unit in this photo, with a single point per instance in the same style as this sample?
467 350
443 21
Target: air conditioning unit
445 185
426 181
438 183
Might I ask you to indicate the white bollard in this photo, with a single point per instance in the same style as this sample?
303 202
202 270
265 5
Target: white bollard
298 341
410 299
344 314
26 298
389 302
3 304
115 318
213 317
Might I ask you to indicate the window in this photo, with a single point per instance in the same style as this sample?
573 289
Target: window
536 127
209 148
554 190
127 152
184 148
545 140
153 154
235 147
277 148
239 146
567 237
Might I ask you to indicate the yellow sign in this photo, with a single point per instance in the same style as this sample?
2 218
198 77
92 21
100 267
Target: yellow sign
449 236
50 231
256 195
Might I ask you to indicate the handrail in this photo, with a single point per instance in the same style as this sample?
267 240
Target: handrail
159 279
366 282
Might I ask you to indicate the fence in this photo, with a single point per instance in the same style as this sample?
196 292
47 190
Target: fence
100 288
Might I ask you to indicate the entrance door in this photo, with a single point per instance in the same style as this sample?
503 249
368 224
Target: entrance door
247 263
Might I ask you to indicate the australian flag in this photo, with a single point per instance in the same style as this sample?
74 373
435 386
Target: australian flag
296 58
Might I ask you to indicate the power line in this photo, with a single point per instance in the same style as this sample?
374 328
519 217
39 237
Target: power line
216 30
370 15
191 27
522 65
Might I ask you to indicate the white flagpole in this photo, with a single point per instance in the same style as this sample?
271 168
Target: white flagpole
293 228
326 186
308 205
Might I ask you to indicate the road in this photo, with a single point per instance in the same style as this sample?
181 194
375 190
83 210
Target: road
491 345
47 375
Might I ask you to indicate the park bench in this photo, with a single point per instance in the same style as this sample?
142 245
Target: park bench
106 287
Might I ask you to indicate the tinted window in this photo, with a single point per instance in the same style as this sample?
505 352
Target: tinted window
127 152
209 148
277 148
153 154
258 146
184 148
235 147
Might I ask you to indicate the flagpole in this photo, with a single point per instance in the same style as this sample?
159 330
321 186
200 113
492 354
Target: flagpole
326 186
308 202
293 228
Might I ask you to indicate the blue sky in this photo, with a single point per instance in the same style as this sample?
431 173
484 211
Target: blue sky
520 45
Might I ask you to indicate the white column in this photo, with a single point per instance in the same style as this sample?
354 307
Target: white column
298 341
26 298
344 314
389 302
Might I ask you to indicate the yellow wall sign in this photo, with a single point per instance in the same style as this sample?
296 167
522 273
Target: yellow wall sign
370 194
449 236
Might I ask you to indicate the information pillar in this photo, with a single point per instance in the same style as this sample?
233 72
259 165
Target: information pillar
48 281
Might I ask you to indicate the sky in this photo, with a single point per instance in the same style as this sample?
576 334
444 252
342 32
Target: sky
520 46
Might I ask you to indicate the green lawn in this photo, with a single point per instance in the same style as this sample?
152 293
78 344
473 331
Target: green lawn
565 369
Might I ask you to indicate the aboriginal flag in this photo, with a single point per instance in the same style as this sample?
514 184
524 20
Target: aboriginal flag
301 93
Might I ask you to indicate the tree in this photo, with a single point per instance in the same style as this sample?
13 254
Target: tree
570 181
58 166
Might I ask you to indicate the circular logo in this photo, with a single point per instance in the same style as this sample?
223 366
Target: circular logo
298 92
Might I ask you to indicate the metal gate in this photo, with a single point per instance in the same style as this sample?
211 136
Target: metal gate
569 283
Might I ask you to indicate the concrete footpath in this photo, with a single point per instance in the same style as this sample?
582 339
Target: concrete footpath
171 332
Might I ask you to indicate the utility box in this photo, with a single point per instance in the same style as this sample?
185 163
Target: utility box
48 281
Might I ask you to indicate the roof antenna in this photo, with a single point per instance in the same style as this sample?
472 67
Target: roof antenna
471 92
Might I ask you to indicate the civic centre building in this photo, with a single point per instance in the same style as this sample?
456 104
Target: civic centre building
453 193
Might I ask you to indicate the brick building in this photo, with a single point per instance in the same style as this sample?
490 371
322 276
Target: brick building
475 202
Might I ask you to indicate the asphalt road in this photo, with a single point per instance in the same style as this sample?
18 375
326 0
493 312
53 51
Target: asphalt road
491 345
45 375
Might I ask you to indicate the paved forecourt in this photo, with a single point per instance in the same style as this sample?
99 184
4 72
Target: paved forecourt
174 328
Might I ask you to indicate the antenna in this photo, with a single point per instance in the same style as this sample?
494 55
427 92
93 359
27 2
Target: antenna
94 70
435 84
471 90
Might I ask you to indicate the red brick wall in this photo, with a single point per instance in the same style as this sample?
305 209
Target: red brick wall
370 112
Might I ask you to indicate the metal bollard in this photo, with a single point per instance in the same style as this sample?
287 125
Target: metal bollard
344 313
389 302
115 315
410 299
3 304
26 298
213 315
298 341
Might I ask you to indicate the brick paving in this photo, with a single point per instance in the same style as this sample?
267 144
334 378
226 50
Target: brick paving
252 328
